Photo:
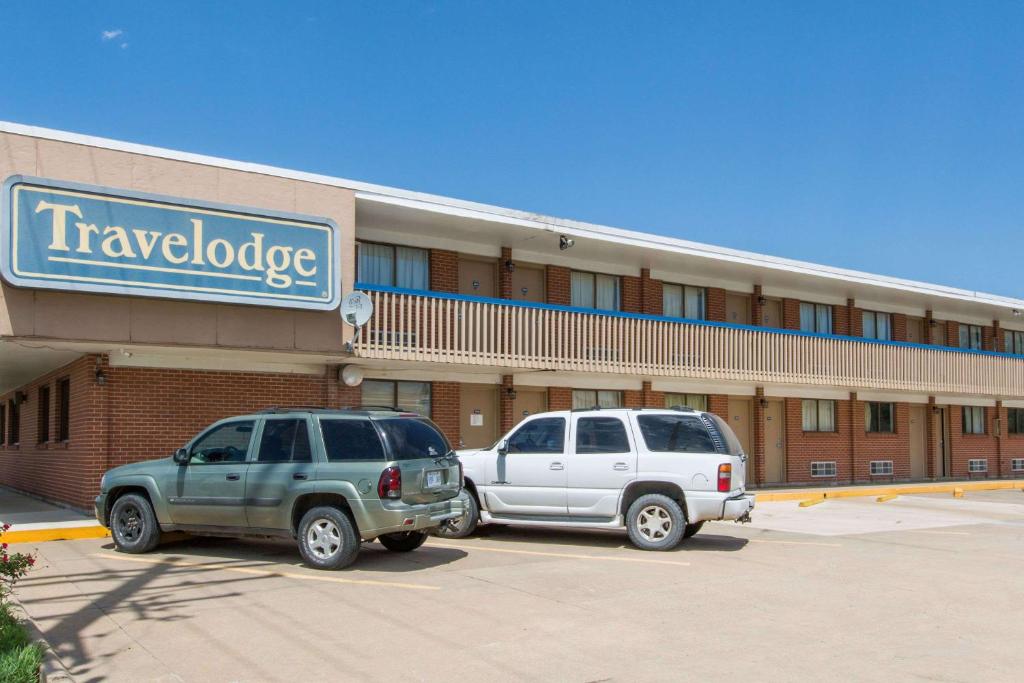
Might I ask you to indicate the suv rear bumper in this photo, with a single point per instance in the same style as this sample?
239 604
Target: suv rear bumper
412 517
703 506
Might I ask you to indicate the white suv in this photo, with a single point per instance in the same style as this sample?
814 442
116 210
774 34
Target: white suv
659 473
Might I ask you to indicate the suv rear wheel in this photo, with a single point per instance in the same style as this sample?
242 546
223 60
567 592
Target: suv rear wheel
655 522
403 541
463 526
133 524
327 538
691 529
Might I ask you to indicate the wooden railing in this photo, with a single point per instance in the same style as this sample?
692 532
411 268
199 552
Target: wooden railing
446 328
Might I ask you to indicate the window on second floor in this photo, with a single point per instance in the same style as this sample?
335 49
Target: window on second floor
819 415
391 266
1013 342
973 420
816 318
1015 421
970 336
592 290
876 325
682 301
879 417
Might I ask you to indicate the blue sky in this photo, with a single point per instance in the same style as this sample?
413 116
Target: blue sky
886 137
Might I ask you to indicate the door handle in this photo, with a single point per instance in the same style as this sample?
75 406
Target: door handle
233 477
620 466
557 466
300 475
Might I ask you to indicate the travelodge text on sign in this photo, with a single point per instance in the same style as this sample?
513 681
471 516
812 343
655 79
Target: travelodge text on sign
59 235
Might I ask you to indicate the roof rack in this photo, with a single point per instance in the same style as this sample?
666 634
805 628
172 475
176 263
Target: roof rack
373 407
292 409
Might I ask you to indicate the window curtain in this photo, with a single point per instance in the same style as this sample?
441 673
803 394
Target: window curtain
607 293
377 393
414 397
609 399
975 337
695 401
826 416
807 317
582 399
672 300
412 268
810 416
376 264
869 325
695 303
884 326
824 319
582 290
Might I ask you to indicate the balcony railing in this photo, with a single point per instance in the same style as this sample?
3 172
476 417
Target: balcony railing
448 328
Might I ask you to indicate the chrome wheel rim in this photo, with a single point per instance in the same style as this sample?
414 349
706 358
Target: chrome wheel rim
129 523
323 539
654 523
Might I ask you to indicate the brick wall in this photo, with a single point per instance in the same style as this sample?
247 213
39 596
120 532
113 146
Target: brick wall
899 327
632 399
756 309
1011 446
964 447
651 294
651 398
791 314
631 294
445 400
952 333
716 304
803 448
504 274
559 398
506 418
558 285
841 318
881 446
444 270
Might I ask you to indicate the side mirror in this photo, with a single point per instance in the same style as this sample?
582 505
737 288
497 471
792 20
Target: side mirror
503 447
181 456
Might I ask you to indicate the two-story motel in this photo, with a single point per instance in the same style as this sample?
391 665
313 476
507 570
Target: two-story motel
148 292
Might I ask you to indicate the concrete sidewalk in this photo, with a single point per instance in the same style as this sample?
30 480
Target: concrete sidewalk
33 520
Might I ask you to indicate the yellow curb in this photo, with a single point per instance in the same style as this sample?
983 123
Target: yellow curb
812 501
896 489
55 534
888 496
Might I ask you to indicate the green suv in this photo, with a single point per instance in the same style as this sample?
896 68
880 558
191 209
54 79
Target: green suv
327 478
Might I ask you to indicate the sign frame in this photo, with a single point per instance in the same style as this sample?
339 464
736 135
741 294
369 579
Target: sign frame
168 202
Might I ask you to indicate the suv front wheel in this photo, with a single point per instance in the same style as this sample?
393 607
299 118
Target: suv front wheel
655 522
327 538
133 524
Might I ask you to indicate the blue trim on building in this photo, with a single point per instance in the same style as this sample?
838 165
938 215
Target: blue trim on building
661 318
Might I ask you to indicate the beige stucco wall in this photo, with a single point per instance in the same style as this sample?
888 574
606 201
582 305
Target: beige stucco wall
96 317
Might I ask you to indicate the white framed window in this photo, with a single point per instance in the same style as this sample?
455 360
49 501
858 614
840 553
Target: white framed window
1017 465
823 469
392 266
593 290
683 301
1013 342
977 465
819 415
973 420
589 398
876 325
970 336
815 318
695 401
881 468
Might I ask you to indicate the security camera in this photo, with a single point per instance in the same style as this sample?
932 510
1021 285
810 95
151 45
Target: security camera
565 242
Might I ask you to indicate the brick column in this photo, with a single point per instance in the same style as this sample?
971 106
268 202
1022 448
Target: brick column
504 274
928 320
854 404
445 403
997 337
715 304
932 436
558 285
444 270
899 327
952 334
651 398
758 456
791 314
505 401
632 296
756 309
650 294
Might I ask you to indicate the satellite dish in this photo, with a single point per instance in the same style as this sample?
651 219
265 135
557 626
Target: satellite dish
356 309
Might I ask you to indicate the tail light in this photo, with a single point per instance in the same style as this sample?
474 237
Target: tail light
390 483
724 478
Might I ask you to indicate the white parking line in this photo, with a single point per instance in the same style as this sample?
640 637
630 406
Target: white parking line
823 545
569 556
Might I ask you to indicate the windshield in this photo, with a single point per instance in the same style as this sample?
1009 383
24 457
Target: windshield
413 438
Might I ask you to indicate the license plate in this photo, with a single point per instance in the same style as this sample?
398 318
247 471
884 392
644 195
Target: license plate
434 479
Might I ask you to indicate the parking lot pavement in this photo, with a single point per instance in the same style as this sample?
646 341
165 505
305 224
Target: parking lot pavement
921 587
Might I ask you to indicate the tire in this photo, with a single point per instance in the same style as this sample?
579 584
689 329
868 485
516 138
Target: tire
403 541
327 538
133 524
655 522
463 526
691 529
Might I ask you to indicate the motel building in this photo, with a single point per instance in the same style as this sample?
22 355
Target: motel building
147 293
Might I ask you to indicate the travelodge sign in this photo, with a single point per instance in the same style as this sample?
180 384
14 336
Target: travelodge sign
59 235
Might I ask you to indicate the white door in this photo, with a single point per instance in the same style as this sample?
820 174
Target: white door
530 478
602 462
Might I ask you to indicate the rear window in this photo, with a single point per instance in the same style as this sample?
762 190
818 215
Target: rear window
410 439
347 440
732 443
675 434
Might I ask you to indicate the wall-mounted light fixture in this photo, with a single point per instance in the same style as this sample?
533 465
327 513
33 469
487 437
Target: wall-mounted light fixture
20 397
510 267
510 393
101 378
761 301
565 242
764 403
